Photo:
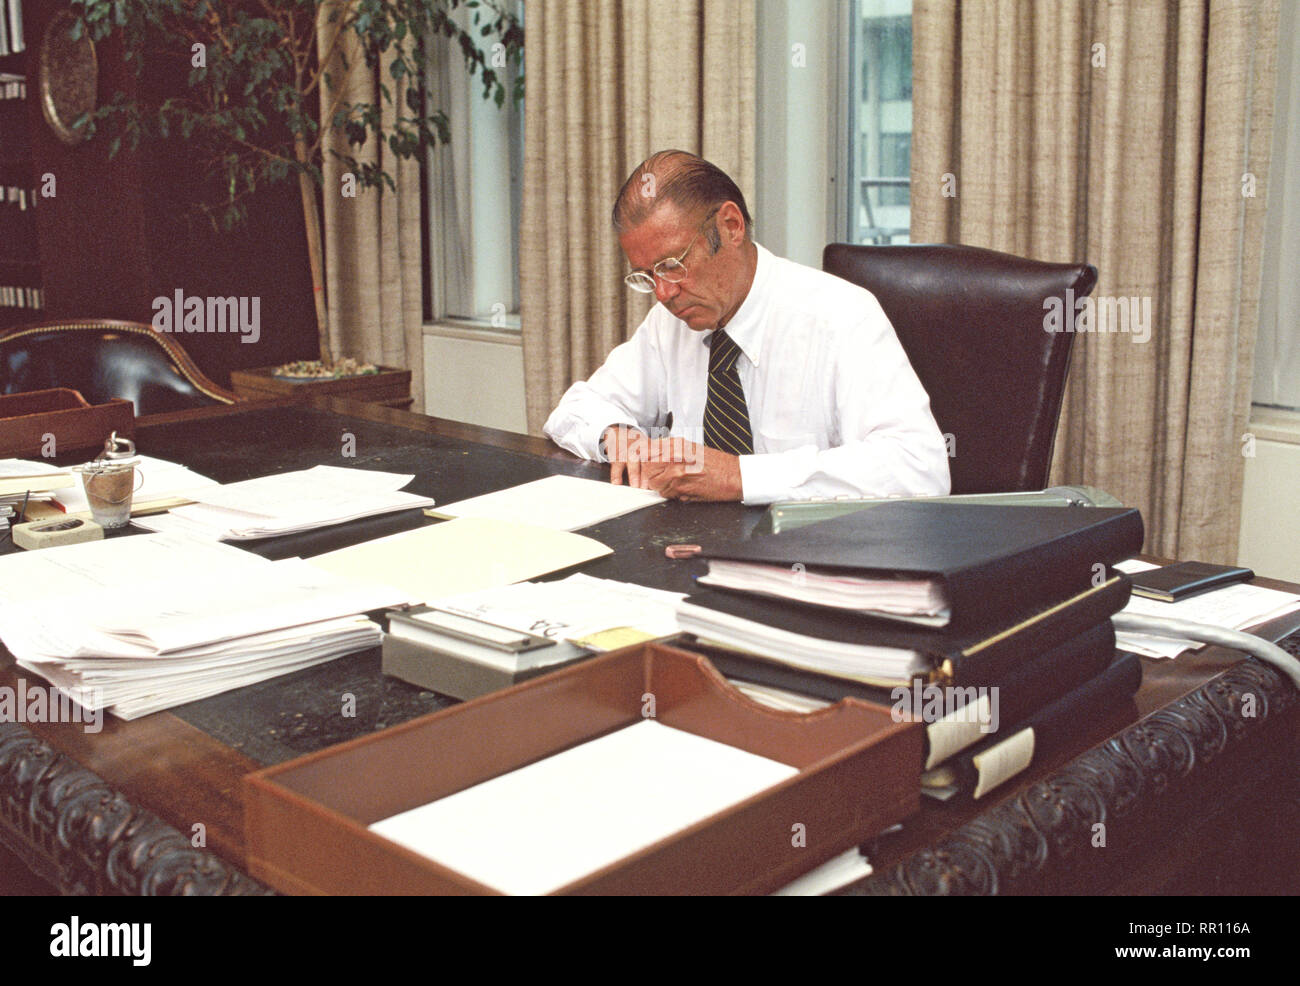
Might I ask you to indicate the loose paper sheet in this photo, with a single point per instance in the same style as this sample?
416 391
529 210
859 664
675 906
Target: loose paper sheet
564 503
538 828
1234 607
287 503
161 481
461 556
601 613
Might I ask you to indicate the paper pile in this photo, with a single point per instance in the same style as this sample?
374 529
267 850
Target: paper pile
288 503
138 624
1234 607
161 484
602 614
23 481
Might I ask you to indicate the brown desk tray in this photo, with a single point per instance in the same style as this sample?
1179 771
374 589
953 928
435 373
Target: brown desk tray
27 419
859 772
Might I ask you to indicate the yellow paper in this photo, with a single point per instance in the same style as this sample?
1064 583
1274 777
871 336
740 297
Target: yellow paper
461 556
614 638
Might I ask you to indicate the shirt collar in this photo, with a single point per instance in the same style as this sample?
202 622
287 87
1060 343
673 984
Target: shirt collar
746 326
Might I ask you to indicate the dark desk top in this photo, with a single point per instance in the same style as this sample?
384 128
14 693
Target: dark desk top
186 764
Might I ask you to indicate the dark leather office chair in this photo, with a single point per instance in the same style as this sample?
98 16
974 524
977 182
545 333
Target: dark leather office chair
103 359
972 323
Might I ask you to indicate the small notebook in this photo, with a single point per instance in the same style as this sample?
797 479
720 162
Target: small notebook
1185 579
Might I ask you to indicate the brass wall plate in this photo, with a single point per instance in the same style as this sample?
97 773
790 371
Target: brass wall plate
69 78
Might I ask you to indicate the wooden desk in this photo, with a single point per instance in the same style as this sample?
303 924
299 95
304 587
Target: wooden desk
1190 794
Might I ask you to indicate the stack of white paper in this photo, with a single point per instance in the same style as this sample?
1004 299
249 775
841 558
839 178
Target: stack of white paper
538 828
599 613
288 503
23 481
921 601
134 625
1234 607
161 483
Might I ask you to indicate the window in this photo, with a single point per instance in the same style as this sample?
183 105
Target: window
1277 354
473 195
878 168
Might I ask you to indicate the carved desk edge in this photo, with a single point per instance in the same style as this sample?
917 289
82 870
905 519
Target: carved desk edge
77 833
1048 824
84 837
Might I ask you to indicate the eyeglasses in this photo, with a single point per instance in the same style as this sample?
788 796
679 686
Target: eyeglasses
672 270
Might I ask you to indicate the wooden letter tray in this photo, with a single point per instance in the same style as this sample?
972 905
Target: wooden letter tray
859 772
26 418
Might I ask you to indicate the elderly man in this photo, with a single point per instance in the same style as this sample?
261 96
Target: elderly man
754 378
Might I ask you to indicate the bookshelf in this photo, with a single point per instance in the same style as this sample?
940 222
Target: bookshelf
21 286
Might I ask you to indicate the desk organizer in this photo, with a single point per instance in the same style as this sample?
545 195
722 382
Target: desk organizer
859 772
27 418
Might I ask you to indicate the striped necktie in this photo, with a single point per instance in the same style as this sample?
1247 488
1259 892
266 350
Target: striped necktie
726 415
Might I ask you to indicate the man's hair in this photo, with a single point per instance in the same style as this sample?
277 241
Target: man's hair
684 179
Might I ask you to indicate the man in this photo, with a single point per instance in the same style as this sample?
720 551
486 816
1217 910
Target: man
754 378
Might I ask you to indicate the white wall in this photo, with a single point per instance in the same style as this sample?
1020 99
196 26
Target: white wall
1270 510
475 376
795 102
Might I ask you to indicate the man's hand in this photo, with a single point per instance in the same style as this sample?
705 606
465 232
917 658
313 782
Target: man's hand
683 470
626 448
672 467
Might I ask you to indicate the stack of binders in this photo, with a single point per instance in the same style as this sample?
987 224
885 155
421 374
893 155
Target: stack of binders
989 623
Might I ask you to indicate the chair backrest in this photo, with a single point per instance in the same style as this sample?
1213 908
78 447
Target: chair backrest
972 322
103 359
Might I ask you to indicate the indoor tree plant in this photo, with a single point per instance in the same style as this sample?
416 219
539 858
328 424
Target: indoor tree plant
252 103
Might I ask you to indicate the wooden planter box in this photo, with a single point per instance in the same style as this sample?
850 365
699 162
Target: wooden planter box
389 387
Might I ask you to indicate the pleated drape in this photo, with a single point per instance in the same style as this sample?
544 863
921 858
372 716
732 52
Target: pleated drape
1135 136
609 82
373 264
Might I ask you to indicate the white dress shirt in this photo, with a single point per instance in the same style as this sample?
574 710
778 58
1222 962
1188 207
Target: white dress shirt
834 405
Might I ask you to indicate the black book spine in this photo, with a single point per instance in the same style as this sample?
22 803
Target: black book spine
994 657
1024 690
977 771
1052 570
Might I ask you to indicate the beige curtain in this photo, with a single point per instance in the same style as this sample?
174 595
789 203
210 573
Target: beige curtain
373 265
1135 136
609 83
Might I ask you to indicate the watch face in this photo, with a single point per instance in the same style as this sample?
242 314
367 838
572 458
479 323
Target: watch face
69 78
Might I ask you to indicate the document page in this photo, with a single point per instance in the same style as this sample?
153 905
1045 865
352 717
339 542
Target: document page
57 573
160 481
460 555
538 828
580 608
1234 607
565 503
288 502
